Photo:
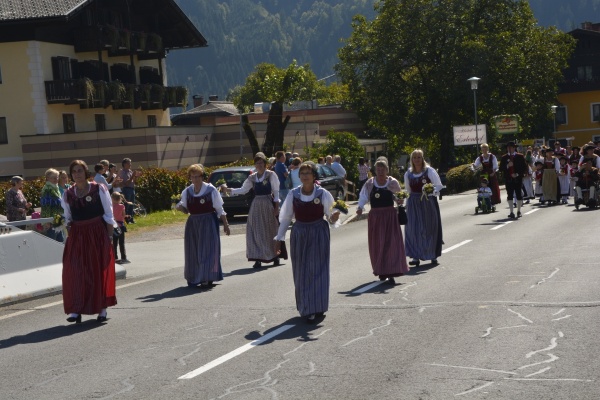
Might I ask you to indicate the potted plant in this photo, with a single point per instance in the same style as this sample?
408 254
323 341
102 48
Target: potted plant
117 93
182 96
86 91
155 44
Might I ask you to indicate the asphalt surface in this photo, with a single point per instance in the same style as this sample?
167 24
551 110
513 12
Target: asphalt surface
511 312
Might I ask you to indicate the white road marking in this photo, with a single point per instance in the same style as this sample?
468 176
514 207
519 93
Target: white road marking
550 379
521 316
487 332
368 287
532 211
475 389
538 372
558 319
456 246
511 327
235 353
500 226
558 312
476 369
545 279
57 303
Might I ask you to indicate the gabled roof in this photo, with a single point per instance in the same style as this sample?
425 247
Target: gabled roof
14 10
213 108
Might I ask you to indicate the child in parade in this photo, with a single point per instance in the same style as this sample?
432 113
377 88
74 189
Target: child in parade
484 196
537 177
564 179
587 177
573 172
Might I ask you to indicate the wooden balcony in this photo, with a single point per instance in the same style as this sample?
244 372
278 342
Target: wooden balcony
117 41
102 94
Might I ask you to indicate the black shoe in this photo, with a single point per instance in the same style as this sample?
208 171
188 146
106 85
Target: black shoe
311 319
101 318
381 278
435 262
256 265
511 215
414 262
320 314
276 262
391 281
519 214
76 319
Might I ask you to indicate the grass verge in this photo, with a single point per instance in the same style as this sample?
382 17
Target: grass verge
156 219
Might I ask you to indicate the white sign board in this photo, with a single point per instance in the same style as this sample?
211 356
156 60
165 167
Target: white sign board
466 135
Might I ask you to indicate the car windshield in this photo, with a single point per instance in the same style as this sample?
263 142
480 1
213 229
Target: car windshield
325 171
233 179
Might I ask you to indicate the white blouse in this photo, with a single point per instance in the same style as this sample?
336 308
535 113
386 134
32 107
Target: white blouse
249 184
286 214
217 200
478 163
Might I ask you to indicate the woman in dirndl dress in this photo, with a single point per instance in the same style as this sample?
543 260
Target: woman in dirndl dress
550 184
309 243
386 245
202 243
262 222
423 232
88 276
489 168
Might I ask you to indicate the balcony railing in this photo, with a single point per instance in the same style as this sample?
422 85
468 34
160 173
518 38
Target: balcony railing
102 94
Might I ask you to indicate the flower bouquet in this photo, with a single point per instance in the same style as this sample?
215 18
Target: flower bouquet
427 190
401 195
59 220
219 184
341 206
175 199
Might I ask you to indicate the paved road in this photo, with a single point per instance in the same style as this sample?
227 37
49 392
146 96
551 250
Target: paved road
511 312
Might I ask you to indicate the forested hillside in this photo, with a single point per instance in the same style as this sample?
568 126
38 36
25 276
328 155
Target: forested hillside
244 33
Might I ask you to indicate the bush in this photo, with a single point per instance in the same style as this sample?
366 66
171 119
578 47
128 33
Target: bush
155 187
461 178
32 190
344 144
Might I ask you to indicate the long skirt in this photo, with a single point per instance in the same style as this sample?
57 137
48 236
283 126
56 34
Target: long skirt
493 184
423 232
202 246
386 245
564 181
88 274
528 188
309 248
550 186
261 228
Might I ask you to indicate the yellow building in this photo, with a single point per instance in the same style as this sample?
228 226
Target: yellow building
72 69
578 113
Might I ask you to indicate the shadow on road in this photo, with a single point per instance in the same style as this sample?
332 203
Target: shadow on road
300 331
48 334
182 291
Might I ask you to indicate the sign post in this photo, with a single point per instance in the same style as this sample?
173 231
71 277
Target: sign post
470 135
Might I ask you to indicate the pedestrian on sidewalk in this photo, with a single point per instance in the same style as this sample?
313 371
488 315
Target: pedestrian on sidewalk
310 248
88 278
202 242
50 202
119 237
423 232
386 244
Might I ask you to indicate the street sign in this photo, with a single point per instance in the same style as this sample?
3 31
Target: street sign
507 124
466 135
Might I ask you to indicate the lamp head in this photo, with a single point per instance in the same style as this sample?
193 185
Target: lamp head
554 109
474 81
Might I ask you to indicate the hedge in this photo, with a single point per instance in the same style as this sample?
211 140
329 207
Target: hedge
461 178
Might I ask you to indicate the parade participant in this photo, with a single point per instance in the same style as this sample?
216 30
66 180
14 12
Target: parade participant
514 167
537 176
528 191
202 242
587 177
423 232
564 179
589 153
558 149
484 196
489 167
550 184
574 167
575 156
262 222
88 276
309 243
386 249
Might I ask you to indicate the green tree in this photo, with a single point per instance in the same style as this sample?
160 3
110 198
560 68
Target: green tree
344 144
407 69
277 86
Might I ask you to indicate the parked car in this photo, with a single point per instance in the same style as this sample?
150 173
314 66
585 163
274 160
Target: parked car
234 177
329 180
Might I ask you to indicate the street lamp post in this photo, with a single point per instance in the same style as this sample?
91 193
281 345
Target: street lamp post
474 81
554 118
